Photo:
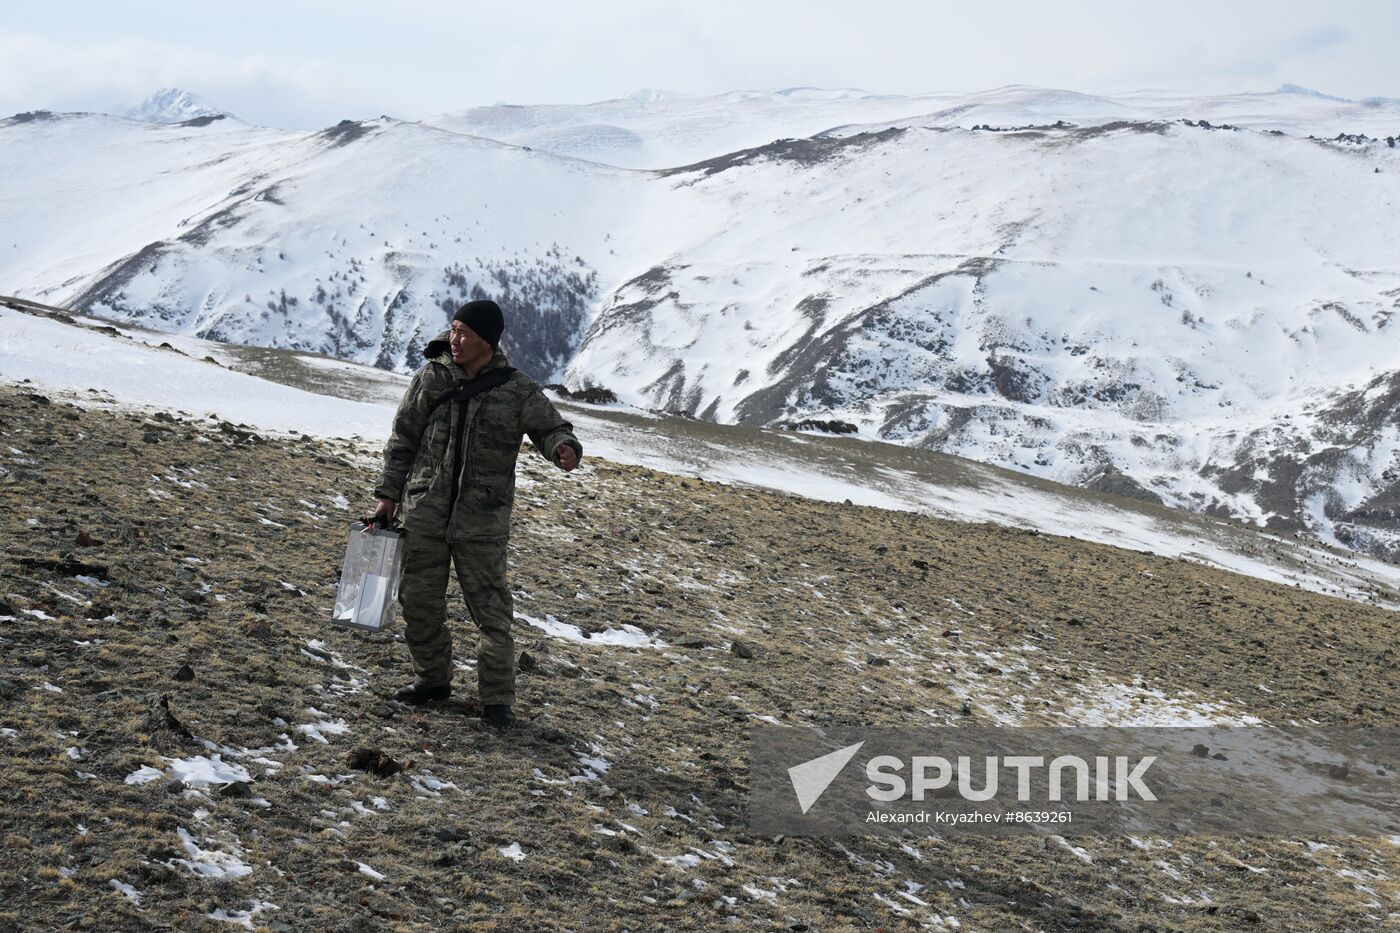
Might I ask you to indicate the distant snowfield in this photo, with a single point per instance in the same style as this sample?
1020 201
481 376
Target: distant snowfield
59 356
100 370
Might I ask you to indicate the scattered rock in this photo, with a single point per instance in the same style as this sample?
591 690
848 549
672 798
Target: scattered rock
592 395
452 834
816 424
259 628
160 721
375 761
237 790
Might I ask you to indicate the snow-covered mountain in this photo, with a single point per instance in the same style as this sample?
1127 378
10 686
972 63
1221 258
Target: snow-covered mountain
1174 298
172 105
355 240
656 130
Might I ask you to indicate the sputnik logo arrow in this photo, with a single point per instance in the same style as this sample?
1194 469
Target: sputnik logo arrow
811 778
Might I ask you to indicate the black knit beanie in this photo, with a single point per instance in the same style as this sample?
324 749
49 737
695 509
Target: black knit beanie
483 316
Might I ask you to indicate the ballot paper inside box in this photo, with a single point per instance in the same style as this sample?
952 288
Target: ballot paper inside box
369 581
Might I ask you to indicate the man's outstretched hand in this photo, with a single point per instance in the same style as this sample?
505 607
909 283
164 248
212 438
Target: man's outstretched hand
566 457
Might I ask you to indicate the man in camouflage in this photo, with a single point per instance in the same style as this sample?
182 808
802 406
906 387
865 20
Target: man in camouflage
451 466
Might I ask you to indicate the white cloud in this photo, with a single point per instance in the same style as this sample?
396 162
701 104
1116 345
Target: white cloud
310 63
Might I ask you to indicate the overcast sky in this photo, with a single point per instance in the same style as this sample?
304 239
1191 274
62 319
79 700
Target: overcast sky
311 63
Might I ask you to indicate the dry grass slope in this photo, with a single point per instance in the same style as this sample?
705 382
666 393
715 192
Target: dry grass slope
135 548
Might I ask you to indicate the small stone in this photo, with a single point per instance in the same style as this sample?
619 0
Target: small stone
452 834
374 760
185 673
259 628
235 790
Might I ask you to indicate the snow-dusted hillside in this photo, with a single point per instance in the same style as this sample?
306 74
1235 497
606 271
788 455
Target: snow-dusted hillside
1196 312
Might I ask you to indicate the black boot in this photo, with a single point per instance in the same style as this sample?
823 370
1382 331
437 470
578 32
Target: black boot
417 693
498 715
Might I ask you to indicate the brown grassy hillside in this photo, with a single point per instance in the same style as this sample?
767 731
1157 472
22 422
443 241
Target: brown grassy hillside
148 559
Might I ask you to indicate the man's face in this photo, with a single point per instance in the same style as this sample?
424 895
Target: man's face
466 343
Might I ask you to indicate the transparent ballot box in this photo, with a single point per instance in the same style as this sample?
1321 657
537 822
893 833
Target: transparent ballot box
369 581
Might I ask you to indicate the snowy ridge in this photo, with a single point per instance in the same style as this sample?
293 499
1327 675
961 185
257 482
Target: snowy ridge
659 130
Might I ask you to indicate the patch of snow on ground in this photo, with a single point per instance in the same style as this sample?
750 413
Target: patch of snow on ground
131 893
628 636
243 918
211 863
143 775
1124 705
204 770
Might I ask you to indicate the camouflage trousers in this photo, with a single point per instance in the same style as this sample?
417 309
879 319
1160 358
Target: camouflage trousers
481 571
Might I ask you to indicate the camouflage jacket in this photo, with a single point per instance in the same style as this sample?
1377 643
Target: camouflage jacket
419 456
